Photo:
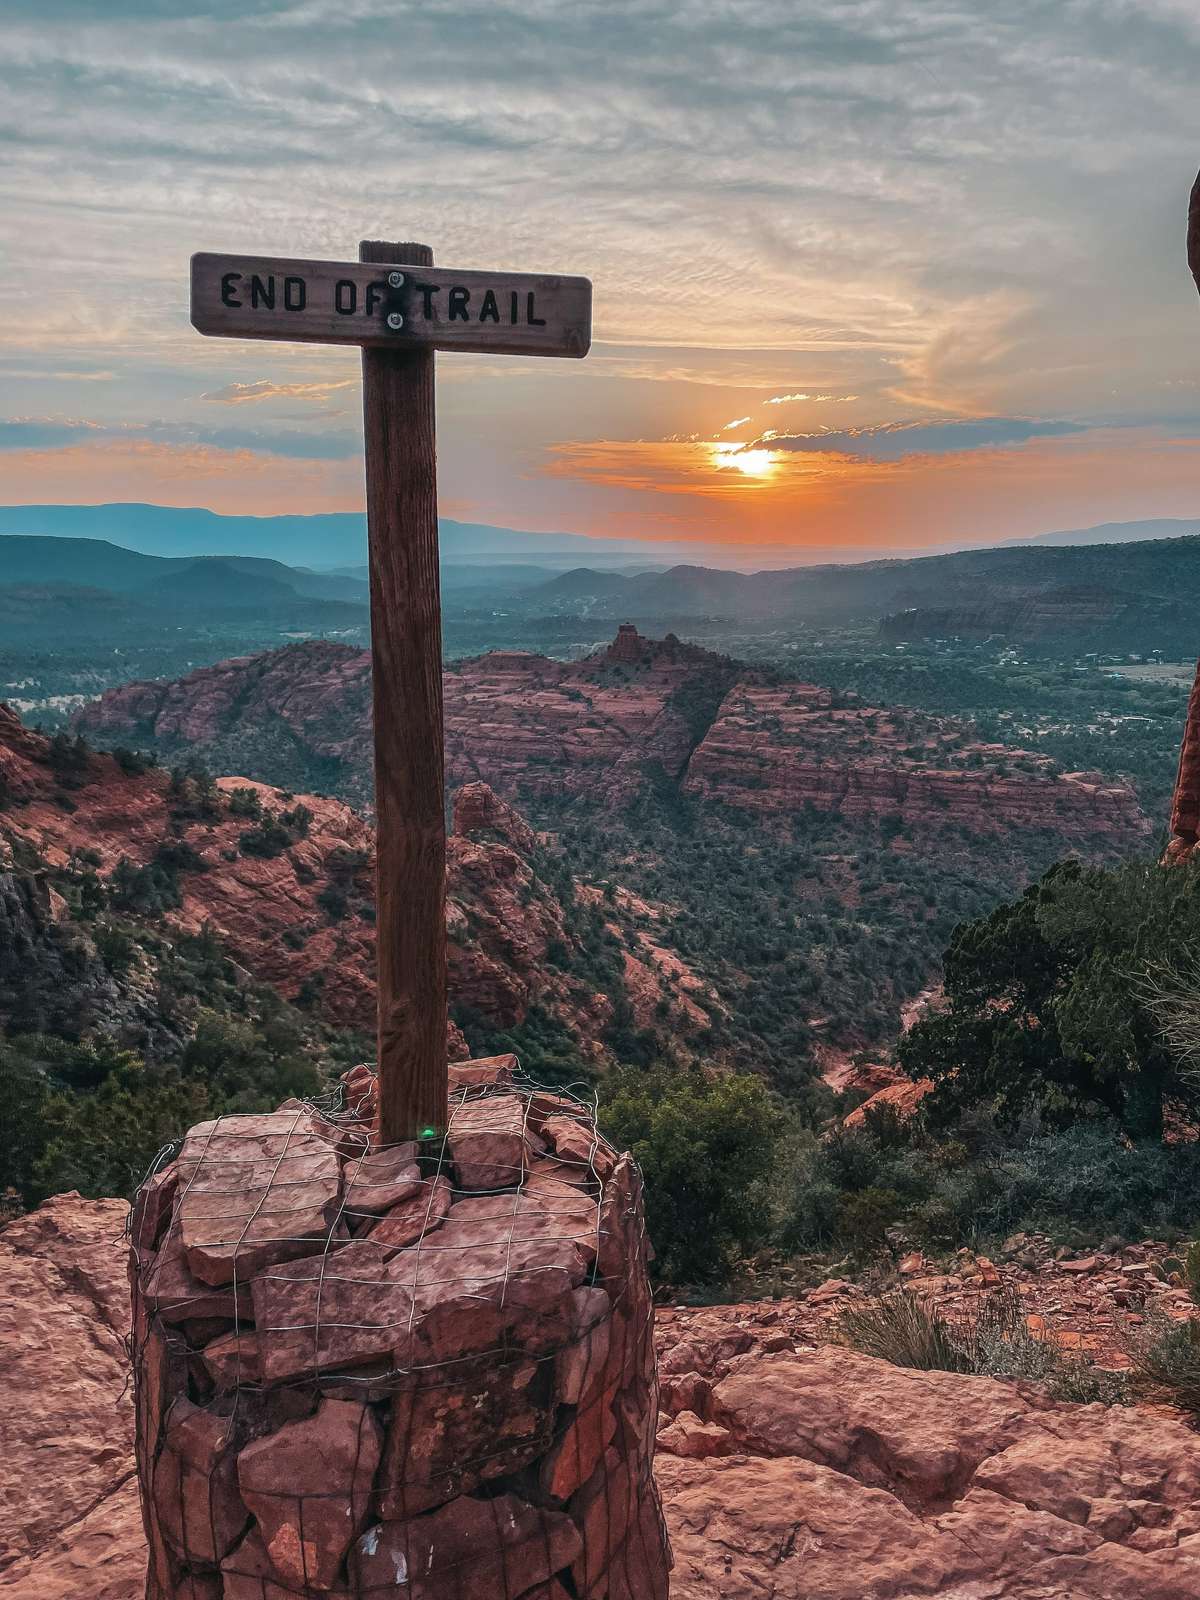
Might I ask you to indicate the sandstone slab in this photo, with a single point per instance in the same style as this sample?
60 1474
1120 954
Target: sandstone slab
308 1486
486 1140
196 1499
377 1180
254 1190
468 1550
454 1432
415 1217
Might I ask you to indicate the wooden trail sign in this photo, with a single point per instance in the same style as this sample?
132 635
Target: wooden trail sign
335 302
394 303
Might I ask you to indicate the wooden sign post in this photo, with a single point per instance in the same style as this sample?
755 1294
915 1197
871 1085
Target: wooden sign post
400 309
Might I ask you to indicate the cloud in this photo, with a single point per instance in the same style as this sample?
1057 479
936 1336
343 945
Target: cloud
785 399
736 423
235 394
52 433
948 208
44 433
894 440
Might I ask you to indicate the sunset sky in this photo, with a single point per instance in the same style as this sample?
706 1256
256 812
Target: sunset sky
869 274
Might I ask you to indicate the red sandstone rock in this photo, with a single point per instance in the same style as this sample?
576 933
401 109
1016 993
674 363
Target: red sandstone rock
582 1364
152 1209
254 1190
419 1215
308 1486
377 1181
902 1098
468 1550
686 1392
688 1435
419 1305
581 1447
743 1526
453 1433
563 1214
176 1296
486 1139
482 1072
577 1143
232 1359
195 1493
247 1574
67 1421
478 809
774 749
603 1510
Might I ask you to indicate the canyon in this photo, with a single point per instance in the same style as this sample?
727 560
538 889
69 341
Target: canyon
284 882
602 728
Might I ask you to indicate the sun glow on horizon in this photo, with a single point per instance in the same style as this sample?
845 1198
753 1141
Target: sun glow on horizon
754 463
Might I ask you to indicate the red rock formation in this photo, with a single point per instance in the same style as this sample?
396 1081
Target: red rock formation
627 645
527 724
479 810
1185 803
903 1098
775 750
273 913
513 718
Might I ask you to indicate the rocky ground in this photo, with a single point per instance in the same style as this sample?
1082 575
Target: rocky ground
791 1468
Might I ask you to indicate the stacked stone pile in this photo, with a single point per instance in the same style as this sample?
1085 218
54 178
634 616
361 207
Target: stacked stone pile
365 1370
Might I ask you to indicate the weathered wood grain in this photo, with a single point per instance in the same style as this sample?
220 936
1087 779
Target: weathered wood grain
406 648
336 302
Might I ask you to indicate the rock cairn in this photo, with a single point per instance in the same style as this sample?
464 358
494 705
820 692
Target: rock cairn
360 1370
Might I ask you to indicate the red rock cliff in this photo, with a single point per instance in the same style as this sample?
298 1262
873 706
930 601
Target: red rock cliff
1185 803
775 750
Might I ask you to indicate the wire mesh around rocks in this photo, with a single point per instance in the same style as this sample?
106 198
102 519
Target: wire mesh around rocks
365 1370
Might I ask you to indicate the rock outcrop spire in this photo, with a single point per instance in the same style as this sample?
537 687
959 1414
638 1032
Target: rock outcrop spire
1185 802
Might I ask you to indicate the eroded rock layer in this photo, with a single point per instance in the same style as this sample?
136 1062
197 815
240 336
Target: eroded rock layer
597 728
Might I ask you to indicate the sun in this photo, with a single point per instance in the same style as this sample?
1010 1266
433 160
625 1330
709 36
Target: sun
753 463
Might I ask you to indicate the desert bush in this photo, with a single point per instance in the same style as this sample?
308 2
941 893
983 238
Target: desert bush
706 1144
904 1330
244 802
1056 1004
994 1341
1165 1357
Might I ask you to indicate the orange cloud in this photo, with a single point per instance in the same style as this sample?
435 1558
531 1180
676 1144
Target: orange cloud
828 499
234 481
237 394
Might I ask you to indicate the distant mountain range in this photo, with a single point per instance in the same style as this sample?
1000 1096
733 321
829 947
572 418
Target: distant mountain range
225 580
1140 594
1118 532
330 540
337 542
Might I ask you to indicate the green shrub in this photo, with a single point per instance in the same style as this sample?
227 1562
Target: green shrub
268 840
244 802
706 1145
1054 1009
132 762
